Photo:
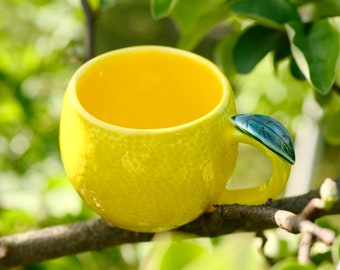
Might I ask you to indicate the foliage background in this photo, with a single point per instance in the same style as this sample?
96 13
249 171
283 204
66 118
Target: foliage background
42 44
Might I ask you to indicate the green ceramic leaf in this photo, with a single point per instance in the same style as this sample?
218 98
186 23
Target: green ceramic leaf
268 131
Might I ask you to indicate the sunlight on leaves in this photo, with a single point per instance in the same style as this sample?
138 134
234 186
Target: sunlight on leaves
315 62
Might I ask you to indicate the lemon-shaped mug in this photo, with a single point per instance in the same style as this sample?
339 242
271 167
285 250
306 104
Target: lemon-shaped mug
149 137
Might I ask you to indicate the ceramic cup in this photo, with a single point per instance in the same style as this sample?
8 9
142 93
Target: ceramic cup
149 137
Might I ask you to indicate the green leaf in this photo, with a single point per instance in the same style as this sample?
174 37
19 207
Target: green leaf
322 100
106 3
187 13
316 52
335 21
173 250
281 53
234 251
253 45
332 128
295 70
194 18
223 55
325 8
336 250
292 264
180 253
161 8
13 221
98 4
326 266
273 13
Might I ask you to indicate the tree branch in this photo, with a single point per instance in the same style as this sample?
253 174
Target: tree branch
94 235
90 16
57 241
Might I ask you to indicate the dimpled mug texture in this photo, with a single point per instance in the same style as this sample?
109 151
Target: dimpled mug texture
144 136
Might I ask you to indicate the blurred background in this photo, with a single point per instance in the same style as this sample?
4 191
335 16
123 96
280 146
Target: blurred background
41 46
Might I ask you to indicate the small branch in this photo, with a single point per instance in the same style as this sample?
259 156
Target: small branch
309 230
90 16
57 241
305 246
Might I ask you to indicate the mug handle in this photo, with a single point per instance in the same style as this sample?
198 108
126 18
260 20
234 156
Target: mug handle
273 139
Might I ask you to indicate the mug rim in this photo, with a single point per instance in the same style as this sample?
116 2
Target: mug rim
71 89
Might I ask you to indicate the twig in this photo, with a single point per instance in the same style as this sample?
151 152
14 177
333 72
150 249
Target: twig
91 16
302 223
305 246
56 241
309 230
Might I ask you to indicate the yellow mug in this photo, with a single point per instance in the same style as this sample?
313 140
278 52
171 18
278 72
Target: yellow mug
149 139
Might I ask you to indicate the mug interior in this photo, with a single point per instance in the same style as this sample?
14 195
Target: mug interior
149 87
